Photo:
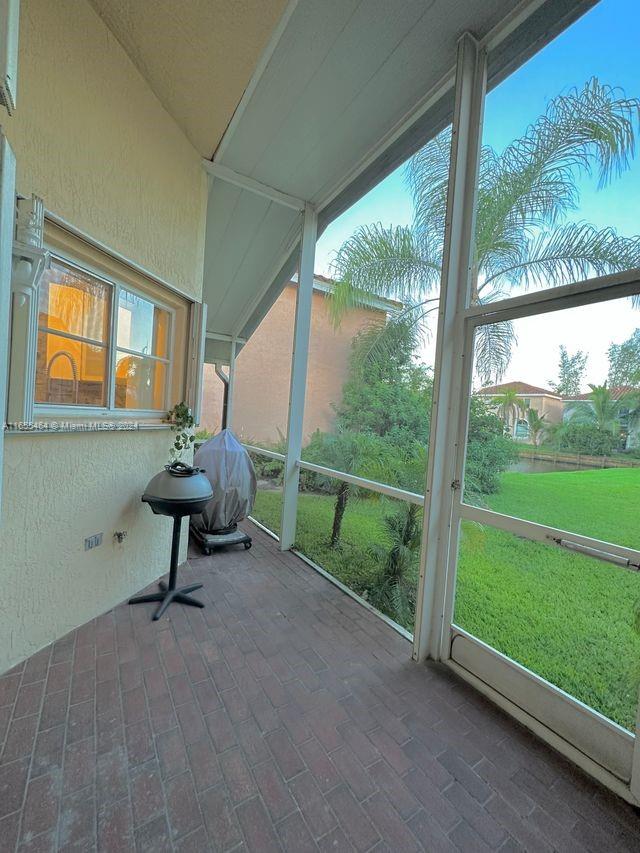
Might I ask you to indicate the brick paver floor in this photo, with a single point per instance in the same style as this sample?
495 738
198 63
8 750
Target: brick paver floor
283 716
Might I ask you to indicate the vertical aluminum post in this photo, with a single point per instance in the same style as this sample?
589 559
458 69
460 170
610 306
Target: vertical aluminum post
438 538
298 377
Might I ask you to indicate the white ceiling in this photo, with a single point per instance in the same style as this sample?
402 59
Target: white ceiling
343 75
198 56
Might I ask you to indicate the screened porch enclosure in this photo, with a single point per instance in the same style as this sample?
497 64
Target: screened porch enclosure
433 642
572 675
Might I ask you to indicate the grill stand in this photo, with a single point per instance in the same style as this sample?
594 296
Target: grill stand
171 593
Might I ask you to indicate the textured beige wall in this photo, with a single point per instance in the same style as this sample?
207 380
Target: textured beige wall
263 371
92 139
551 406
57 491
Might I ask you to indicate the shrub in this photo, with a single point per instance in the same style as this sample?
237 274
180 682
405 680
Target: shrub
265 468
585 438
489 451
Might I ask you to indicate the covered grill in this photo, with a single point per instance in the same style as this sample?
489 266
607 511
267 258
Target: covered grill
177 491
233 480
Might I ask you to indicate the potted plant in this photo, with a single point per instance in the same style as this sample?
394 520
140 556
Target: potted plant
182 423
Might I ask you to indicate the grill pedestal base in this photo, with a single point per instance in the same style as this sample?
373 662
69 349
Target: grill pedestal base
170 593
167 596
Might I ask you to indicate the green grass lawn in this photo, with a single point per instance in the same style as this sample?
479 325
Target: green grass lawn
603 503
362 528
567 617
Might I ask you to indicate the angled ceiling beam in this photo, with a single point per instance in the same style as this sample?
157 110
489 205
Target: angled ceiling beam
261 65
246 183
219 336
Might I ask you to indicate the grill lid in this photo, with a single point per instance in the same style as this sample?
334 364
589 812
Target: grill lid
178 483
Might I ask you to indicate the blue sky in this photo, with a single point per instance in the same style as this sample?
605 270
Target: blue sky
604 44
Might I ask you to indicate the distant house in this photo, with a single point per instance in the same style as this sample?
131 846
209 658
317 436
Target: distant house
617 392
629 426
261 396
542 400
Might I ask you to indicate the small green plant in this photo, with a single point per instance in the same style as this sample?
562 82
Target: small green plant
182 423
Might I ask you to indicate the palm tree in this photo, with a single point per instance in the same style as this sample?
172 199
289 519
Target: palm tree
523 238
510 406
537 425
601 409
605 409
394 587
363 454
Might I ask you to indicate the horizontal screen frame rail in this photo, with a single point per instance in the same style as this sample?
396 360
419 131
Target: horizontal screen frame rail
362 483
353 479
261 451
521 669
599 289
552 536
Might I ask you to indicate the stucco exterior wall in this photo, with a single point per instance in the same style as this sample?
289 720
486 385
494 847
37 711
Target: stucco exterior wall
263 371
93 140
551 406
95 143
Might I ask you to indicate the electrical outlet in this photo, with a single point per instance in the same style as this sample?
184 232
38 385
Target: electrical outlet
92 541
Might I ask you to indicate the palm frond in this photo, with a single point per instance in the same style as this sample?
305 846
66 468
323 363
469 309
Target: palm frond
380 261
524 195
427 175
532 183
570 253
493 346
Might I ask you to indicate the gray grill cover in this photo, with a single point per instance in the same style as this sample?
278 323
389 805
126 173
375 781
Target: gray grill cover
230 471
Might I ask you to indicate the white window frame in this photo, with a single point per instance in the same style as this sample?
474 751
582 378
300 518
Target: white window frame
7 220
48 410
9 26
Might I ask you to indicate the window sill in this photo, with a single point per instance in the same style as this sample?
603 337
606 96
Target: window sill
84 426
46 412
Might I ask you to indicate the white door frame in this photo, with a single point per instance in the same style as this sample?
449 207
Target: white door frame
444 508
599 745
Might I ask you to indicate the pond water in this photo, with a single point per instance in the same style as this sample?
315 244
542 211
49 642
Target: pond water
542 466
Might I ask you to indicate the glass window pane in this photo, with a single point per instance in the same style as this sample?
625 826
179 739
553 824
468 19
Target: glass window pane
557 440
140 382
161 327
74 302
142 326
567 617
70 372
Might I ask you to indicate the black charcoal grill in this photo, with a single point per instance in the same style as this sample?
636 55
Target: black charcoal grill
177 491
